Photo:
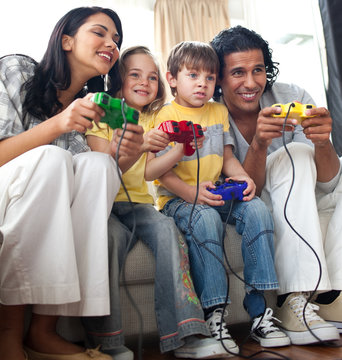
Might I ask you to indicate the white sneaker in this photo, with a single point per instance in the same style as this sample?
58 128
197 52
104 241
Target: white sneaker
219 331
266 333
290 315
121 353
201 348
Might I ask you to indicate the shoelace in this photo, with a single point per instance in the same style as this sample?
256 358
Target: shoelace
298 302
214 325
266 324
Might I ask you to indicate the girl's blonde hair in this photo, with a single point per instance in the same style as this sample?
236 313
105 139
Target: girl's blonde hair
159 101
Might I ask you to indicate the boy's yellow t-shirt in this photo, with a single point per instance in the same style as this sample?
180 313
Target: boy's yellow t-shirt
212 115
133 178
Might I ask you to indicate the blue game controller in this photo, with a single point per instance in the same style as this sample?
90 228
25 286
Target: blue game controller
230 190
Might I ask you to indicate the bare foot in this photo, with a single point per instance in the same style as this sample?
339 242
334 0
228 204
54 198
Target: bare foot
51 343
10 347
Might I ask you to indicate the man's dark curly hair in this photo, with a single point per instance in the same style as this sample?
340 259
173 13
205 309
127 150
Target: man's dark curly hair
237 39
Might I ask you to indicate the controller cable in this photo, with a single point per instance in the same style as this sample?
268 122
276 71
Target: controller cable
123 270
300 236
223 265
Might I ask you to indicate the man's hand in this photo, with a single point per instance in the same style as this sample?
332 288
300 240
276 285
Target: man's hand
268 127
318 128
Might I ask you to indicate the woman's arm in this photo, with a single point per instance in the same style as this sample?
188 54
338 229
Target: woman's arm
74 117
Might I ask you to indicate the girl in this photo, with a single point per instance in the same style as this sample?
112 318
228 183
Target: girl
52 222
178 310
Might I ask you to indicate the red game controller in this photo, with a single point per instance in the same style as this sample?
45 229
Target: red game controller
181 132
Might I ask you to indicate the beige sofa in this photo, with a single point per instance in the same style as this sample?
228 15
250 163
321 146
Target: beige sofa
140 282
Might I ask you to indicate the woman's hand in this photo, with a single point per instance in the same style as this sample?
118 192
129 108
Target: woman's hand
79 115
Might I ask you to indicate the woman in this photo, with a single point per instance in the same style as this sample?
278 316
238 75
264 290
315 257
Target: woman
55 200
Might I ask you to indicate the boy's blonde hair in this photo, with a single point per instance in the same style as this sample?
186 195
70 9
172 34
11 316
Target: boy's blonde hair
161 94
193 55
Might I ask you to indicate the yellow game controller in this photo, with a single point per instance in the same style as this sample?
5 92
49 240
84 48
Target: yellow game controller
297 110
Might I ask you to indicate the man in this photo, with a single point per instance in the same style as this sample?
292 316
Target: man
247 86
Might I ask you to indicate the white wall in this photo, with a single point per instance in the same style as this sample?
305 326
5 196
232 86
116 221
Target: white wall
303 64
25 27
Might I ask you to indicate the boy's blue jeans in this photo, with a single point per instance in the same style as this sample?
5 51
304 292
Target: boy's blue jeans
253 221
177 307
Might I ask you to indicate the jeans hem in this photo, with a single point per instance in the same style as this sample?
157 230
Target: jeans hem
174 341
271 286
217 301
107 342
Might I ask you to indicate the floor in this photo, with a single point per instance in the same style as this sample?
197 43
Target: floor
249 349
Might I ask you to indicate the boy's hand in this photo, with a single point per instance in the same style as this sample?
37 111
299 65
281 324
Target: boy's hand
205 197
132 141
249 192
155 140
199 141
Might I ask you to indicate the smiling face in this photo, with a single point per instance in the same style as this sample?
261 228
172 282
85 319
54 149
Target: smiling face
93 50
140 86
244 81
193 87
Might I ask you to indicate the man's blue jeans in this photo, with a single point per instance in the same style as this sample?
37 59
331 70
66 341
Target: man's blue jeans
204 236
178 310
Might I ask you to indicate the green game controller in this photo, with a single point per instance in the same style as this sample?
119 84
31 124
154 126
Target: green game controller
114 109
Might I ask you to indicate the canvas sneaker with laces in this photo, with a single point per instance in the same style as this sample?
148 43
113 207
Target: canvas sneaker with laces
332 313
201 348
266 333
219 331
291 319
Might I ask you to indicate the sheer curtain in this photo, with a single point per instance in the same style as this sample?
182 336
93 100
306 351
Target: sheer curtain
178 20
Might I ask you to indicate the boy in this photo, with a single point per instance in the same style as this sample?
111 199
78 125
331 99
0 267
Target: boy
192 71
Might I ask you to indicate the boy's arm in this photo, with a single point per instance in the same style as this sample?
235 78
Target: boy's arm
156 166
177 186
233 169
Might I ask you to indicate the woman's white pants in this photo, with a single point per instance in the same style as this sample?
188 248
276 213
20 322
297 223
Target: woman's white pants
54 209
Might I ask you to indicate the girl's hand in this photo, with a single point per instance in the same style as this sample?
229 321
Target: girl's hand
79 115
155 140
131 143
249 192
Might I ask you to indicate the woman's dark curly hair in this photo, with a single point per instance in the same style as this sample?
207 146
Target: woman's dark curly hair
237 39
53 72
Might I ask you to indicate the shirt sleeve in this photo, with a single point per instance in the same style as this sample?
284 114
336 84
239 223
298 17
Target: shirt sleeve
12 76
101 130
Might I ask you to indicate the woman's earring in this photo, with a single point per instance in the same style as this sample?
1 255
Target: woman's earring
105 82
